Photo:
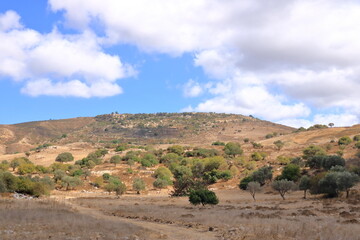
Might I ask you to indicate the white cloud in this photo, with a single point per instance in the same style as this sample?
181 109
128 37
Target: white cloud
9 20
340 120
192 89
76 64
70 88
283 56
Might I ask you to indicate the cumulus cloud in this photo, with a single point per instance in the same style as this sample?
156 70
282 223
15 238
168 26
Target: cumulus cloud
275 59
76 64
192 89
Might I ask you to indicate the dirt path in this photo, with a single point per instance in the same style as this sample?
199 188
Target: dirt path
157 230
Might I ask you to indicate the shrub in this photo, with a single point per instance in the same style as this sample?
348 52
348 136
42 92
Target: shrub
218 143
344 140
26 168
233 149
64 157
312 151
203 196
257 145
160 183
283 160
165 174
279 144
149 160
258 156
283 186
356 138
179 150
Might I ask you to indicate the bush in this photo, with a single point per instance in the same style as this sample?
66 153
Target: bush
233 149
203 196
356 138
283 160
312 151
257 145
344 140
26 168
165 174
179 150
160 183
279 144
258 156
218 143
64 157
149 160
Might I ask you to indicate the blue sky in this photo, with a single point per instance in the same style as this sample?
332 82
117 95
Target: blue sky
292 62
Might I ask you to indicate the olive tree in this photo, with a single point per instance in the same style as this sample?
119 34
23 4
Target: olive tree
253 188
304 184
283 186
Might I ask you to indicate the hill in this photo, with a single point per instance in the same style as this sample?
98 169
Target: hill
159 128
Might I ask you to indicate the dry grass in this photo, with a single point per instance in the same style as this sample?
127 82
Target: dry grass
44 219
237 217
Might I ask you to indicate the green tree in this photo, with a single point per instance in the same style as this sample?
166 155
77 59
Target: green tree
346 180
203 196
120 189
115 159
138 185
283 186
70 182
64 157
304 184
291 172
245 181
233 149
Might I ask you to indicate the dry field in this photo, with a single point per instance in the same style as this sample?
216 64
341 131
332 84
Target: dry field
237 216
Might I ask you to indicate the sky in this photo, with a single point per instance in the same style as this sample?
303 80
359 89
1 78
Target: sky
294 62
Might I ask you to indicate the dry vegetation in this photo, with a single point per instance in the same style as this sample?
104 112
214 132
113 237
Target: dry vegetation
92 211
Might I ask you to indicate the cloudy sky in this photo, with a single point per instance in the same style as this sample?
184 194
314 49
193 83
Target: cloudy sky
295 62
